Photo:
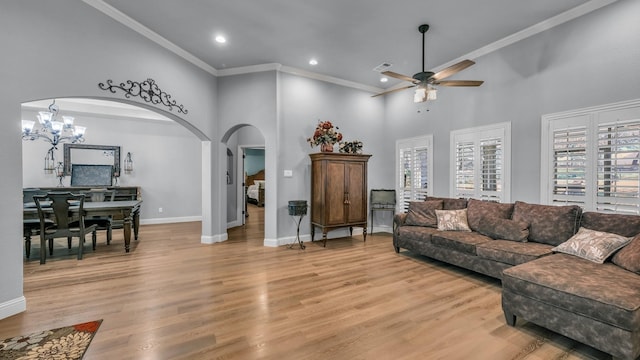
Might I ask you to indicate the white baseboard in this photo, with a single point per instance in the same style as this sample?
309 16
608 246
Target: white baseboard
170 220
234 224
12 307
213 239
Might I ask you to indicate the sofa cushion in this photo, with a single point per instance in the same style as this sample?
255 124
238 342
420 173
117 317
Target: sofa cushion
625 225
477 210
452 220
461 241
592 245
604 292
548 224
511 252
423 213
629 256
504 229
450 203
416 233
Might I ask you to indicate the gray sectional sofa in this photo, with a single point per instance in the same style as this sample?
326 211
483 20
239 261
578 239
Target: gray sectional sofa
545 278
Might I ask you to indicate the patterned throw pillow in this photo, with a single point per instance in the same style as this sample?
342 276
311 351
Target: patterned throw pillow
592 245
504 229
629 256
452 220
423 213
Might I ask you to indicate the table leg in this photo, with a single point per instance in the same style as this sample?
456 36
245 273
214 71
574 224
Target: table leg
136 224
127 230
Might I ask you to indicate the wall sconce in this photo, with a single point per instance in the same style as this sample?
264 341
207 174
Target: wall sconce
128 164
49 162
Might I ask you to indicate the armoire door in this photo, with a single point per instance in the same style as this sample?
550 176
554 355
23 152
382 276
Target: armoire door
336 192
356 208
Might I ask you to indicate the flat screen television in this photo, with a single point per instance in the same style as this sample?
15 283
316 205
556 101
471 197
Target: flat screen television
91 175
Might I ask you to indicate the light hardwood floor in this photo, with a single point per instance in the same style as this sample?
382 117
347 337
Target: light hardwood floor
172 297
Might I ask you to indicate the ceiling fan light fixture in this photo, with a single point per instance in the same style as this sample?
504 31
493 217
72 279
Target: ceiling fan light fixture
424 93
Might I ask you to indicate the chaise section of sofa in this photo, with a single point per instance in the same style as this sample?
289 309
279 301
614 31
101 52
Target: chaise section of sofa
591 302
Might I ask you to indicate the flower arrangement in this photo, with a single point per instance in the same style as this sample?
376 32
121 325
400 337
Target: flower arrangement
351 147
325 133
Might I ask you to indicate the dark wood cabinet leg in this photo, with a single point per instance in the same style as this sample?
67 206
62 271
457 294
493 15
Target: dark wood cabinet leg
324 238
364 232
397 249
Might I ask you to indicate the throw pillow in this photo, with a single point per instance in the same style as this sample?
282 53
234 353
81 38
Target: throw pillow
423 213
592 245
452 220
629 256
504 229
478 210
450 203
548 224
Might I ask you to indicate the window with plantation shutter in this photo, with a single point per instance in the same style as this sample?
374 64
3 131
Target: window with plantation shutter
481 162
414 170
590 158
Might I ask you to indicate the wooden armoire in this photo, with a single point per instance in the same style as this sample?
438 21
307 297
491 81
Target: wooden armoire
338 192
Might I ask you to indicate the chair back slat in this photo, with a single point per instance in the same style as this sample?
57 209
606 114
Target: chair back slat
61 207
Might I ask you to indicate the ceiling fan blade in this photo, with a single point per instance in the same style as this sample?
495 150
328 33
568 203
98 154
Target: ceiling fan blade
399 76
394 90
442 74
459 83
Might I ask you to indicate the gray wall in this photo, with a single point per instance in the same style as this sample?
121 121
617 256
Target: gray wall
589 61
357 115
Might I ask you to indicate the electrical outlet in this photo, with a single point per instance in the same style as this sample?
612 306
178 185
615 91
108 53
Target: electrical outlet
159 210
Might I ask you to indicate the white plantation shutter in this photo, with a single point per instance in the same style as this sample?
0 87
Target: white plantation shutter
481 163
414 170
590 158
491 158
465 174
569 166
617 165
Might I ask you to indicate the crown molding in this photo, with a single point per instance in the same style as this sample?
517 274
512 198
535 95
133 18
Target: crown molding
248 69
298 72
531 30
494 46
149 34
329 79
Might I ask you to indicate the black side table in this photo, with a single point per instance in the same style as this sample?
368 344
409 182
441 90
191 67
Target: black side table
297 208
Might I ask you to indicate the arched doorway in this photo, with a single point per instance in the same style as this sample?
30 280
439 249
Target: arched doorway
246 197
167 154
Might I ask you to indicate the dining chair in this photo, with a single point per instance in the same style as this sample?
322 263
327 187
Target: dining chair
101 222
68 217
31 227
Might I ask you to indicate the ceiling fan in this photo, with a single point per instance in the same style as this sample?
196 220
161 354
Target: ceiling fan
425 81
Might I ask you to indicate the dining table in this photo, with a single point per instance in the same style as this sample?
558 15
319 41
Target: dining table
127 210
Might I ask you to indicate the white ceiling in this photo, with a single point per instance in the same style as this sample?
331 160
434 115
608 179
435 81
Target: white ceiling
347 37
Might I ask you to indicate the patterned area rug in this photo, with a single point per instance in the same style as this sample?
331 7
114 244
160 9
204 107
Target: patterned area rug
69 342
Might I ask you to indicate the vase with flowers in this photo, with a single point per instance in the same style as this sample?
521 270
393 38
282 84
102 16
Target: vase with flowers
325 135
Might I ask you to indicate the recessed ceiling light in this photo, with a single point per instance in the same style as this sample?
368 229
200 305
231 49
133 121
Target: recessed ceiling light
313 62
384 79
221 39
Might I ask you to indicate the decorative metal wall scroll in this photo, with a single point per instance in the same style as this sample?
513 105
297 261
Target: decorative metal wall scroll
147 90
